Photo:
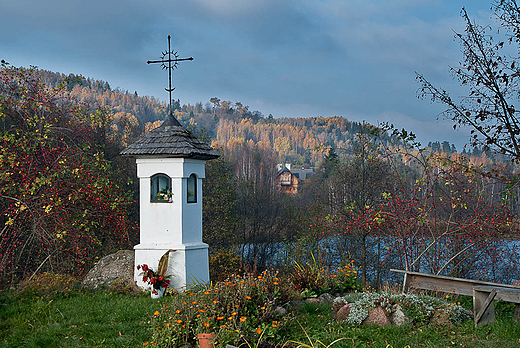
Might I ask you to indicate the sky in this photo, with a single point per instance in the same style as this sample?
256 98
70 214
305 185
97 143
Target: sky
289 58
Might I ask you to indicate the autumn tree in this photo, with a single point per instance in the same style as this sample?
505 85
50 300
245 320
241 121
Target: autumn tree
60 210
491 76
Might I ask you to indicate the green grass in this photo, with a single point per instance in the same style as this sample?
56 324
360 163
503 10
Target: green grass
78 319
103 319
316 320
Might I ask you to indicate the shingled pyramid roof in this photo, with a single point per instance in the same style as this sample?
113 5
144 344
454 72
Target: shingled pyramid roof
171 139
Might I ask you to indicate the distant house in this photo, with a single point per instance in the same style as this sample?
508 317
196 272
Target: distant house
288 179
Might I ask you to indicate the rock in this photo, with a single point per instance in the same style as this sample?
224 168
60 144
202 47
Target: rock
296 304
326 298
337 304
399 318
280 311
313 300
377 317
113 271
343 313
470 313
440 318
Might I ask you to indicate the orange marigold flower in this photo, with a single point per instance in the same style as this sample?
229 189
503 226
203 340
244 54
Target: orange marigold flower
242 319
206 324
215 301
234 313
262 308
259 331
167 307
275 283
248 297
169 324
230 318
220 318
274 325
146 343
156 313
206 293
179 321
194 302
177 311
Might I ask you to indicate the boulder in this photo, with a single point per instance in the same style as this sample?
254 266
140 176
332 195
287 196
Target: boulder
343 313
399 318
280 311
115 270
297 304
377 317
326 298
337 304
313 300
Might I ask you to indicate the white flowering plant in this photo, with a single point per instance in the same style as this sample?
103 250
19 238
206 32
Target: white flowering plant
419 309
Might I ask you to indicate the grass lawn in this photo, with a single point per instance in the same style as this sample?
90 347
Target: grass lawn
103 319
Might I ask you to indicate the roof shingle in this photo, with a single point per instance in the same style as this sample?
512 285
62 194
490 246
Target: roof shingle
170 140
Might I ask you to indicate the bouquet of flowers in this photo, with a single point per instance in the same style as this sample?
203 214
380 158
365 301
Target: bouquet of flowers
156 279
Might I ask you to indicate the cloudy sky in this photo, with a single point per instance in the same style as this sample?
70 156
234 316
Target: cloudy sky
288 58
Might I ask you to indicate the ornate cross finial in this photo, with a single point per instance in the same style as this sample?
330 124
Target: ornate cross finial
169 61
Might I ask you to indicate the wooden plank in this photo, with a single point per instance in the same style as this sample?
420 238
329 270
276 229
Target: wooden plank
483 306
503 294
443 285
453 279
516 314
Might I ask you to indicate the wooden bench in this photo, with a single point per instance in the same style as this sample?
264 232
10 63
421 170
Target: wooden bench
483 293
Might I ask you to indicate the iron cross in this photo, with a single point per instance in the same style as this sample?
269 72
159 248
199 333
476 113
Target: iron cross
169 62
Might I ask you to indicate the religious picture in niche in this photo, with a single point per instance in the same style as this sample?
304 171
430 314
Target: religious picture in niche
192 189
161 188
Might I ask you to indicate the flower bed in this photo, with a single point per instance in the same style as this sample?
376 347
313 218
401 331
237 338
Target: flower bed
419 309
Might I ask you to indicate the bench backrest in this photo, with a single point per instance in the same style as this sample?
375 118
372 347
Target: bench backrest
459 286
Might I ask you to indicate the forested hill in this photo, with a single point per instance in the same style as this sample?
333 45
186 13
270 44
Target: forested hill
300 141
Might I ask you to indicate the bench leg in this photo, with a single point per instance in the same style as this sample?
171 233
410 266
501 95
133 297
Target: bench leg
483 307
406 283
516 314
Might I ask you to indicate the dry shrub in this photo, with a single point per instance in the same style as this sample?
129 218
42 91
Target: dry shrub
47 284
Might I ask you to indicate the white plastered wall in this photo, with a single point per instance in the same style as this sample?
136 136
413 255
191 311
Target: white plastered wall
172 226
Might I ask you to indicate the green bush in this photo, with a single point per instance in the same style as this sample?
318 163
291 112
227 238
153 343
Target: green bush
311 279
222 263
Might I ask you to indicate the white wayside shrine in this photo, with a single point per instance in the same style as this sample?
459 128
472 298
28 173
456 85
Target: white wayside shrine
170 167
